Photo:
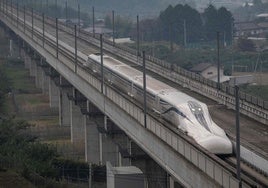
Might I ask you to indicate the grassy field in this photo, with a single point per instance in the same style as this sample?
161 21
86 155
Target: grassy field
260 91
33 106
27 102
20 77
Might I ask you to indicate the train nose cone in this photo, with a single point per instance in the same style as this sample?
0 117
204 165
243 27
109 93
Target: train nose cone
217 145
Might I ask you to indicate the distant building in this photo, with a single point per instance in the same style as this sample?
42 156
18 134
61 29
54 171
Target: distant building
264 15
247 29
248 4
122 40
127 176
72 22
100 30
210 71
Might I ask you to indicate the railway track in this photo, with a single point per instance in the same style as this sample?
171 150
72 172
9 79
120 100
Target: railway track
249 174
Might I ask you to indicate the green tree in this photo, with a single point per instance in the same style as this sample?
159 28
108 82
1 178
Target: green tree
218 20
245 45
226 22
149 29
4 88
186 19
176 20
166 20
122 26
21 150
108 21
211 23
257 2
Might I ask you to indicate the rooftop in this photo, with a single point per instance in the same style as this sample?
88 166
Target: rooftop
201 67
99 30
246 26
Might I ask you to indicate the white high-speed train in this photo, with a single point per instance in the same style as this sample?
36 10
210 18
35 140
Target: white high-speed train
183 111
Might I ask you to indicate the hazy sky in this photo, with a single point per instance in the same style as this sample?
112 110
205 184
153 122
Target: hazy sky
147 8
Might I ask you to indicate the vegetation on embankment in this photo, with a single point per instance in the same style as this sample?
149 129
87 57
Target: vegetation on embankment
4 89
25 160
20 154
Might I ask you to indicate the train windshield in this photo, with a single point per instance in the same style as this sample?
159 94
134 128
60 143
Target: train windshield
197 111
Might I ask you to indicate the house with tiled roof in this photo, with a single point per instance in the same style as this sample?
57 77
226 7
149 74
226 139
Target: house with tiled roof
209 71
247 29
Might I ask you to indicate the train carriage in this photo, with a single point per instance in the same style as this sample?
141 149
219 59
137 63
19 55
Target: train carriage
183 111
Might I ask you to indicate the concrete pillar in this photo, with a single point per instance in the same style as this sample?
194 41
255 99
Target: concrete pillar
45 83
103 141
33 67
109 148
11 48
121 143
39 78
27 61
53 94
123 149
77 127
171 182
92 144
100 147
64 108
155 175
22 54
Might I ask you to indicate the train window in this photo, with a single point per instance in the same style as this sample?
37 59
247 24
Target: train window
197 111
162 102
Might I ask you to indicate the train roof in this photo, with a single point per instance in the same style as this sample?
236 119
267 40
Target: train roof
153 85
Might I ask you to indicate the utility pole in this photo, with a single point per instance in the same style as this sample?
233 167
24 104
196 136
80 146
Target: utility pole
42 6
66 12
32 23
17 14
47 8
56 2
78 16
93 21
171 36
113 27
11 11
138 38
43 20
218 59
101 53
24 18
184 32
238 169
75 46
89 175
144 90
57 39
